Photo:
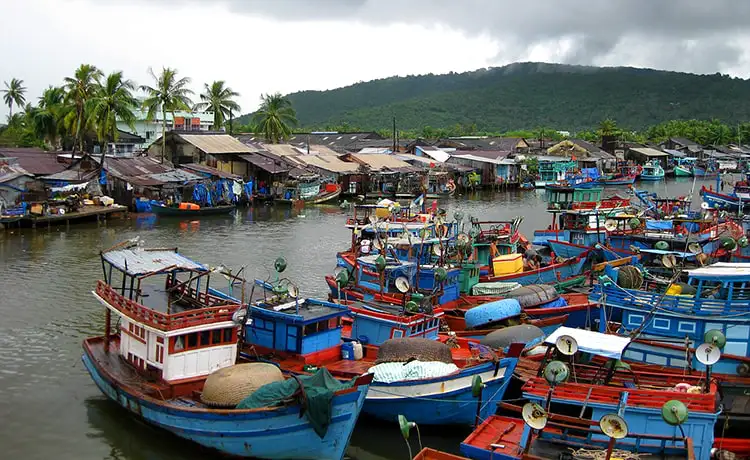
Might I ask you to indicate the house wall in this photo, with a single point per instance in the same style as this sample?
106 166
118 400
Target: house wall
151 130
10 196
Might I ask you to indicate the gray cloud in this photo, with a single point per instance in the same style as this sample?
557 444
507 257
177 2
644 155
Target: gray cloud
661 30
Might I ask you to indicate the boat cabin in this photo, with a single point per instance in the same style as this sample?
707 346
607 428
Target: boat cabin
374 324
553 169
294 326
171 324
565 197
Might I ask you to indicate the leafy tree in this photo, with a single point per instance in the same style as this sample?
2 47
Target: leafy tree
79 89
169 94
608 127
275 117
112 101
14 94
49 118
219 99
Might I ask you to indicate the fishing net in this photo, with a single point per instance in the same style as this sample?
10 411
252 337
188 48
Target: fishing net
629 277
227 387
413 348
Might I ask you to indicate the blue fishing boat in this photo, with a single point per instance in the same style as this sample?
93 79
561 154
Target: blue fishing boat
567 379
172 337
652 171
552 273
719 304
303 333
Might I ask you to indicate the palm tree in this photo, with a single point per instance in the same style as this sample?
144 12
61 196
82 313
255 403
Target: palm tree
14 94
47 119
168 95
218 99
608 127
79 89
112 101
275 117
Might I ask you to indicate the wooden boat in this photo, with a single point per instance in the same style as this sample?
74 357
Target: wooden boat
689 317
566 379
324 195
169 340
509 438
551 273
432 454
652 171
162 210
443 400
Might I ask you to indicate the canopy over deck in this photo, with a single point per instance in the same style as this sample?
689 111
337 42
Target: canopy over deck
138 261
722 271
606 345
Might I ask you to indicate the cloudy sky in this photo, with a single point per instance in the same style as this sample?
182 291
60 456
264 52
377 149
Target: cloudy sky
261 46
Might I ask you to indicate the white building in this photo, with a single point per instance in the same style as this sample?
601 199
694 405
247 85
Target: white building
150 130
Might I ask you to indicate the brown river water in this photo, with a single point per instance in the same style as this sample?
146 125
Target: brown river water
50 408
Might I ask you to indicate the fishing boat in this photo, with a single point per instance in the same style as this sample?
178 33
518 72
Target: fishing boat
625 175
719 304
733 201
440 388
171 338
565 379
190 210
552 273
309 190
684 167
652 171
432 454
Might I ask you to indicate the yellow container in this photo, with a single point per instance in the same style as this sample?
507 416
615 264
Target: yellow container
674 289
507 264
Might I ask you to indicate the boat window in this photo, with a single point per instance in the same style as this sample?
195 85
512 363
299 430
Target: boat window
179 343
192 340
228 335
216 337
205 338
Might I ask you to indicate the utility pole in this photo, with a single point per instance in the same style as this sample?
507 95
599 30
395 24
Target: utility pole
394 135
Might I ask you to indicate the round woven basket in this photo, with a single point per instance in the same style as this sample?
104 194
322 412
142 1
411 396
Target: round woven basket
402 350
228 386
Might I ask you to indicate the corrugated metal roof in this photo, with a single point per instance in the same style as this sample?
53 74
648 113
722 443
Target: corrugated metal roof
72 175
209 171
434 153
377 161
216 144
135 166
330 163
649 152
264 163
139 261
283 150
8 172
35 161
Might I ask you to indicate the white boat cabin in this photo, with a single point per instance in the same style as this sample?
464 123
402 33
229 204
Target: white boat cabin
175 330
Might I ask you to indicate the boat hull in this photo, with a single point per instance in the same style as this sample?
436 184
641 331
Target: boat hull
679 171
170 211
269 434
442 401
545 275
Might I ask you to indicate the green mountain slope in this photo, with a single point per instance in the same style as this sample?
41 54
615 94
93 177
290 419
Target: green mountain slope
527 95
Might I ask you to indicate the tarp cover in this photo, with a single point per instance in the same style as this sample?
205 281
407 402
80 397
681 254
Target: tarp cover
318 389
592 173
658 225
413 370
596 343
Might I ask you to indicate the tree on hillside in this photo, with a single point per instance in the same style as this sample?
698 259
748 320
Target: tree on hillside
608 127
275 117
79 89
220 100
169 94
14 94
112 101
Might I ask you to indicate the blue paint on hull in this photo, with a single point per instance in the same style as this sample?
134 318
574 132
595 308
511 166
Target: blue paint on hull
457 407
276 434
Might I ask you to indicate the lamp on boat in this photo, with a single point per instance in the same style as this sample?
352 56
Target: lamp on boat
476 390
675 413
536 418
406 427
614 427
709 353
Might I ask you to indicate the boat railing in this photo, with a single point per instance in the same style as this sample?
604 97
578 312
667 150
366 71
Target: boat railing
165 321
696 402
677 304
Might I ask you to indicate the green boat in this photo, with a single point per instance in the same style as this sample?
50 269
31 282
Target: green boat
684 167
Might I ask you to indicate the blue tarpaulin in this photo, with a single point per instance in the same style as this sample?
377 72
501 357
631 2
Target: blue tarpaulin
592 173
658 225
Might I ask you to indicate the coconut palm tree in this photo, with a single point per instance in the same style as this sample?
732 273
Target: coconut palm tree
14 94
47 119
112 101
608 127
80 88
219 99
167 95
275 117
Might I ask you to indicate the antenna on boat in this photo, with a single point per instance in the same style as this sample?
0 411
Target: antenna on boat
614 427
405 426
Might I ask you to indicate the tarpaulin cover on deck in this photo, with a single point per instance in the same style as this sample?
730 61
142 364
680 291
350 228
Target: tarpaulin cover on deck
607 345
139 261
318 393
592 173
658 225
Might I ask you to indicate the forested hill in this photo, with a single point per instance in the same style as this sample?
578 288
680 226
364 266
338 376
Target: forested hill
525 96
